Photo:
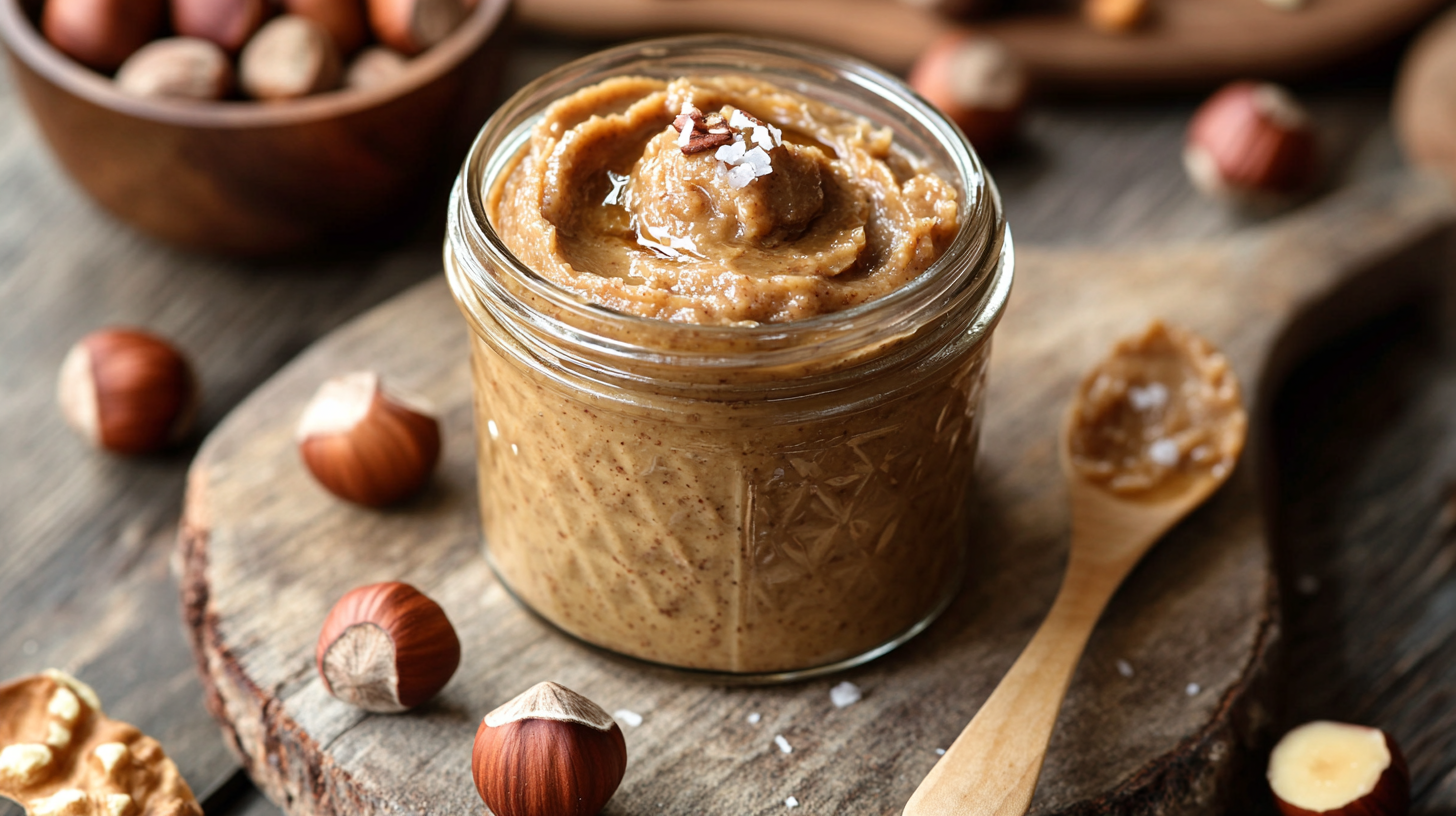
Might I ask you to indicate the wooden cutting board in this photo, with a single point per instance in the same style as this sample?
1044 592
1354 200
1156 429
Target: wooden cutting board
1168 711
1187 43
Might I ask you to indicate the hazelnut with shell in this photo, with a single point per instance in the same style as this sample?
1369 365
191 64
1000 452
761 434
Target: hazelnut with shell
548 752
366 444
977 82
127 391
1252 143
386 648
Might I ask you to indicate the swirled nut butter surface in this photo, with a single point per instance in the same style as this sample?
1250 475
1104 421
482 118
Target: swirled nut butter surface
719 200
708 525
1163 406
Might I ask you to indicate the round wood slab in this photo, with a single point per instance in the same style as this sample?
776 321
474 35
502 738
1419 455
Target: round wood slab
1167 711
1187 43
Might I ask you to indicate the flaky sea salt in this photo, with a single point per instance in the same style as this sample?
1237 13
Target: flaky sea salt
1164 452
740 176
783 744
758 159
740 120
731 153
1193 689
763 138
754 717
631 718
791 802
1153 395
1124 668
845 694
686 134
940 752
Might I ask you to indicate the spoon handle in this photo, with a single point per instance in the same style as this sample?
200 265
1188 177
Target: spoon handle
992 767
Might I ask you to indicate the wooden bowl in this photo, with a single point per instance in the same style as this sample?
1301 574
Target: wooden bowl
251 178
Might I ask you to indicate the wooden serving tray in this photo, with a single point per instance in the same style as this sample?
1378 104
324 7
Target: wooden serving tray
1187 43
265 552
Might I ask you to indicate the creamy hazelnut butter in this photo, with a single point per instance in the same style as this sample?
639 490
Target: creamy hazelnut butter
1162 408
731 318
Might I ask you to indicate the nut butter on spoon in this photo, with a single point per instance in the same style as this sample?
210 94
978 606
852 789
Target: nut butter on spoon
1152 432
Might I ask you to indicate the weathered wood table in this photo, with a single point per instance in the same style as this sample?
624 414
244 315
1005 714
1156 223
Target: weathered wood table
1364 520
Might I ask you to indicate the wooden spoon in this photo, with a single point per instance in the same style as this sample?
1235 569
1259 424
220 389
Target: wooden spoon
993 766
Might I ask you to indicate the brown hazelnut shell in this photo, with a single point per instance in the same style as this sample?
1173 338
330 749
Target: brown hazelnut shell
412 26
1248 148
127 391
229 23
975 82
387 456
425 646
342 19
101 33
539 766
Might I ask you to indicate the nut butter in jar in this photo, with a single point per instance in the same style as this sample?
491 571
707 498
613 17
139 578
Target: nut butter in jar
731 304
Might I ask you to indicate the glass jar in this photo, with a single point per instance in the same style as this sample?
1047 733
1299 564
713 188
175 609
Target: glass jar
774 500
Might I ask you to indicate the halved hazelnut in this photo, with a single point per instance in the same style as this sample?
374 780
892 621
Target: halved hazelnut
127 391
386 648
366 444
290 57
178 67
412 26
548 752
1337 769
1252 143
977 82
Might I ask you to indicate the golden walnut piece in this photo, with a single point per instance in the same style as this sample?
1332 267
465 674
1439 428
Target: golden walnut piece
61 756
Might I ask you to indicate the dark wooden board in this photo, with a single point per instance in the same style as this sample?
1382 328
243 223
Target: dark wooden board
1187 43
265 552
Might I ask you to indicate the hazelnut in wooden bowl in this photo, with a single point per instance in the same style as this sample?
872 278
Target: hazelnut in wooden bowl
246 177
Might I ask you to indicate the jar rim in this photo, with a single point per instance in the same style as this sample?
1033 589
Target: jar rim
981 246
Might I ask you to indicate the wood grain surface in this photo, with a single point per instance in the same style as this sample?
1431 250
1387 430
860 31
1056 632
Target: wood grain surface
1186 44
1366 456
265 553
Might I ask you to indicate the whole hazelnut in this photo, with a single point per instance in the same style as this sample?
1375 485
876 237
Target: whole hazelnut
548 752
127 391
179 67
977 82
343 19
1252 143
1115 16
290 57
365 444
374 67
101 33
229 23
411 26
386 648
1337 769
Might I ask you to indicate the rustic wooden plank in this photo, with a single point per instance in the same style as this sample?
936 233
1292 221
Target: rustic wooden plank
1198 612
